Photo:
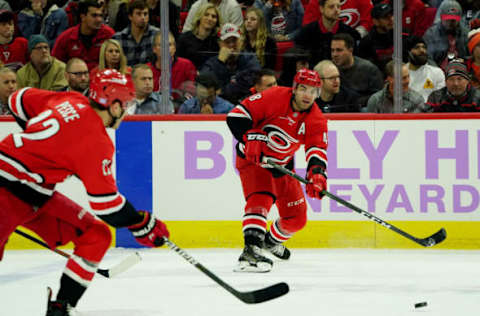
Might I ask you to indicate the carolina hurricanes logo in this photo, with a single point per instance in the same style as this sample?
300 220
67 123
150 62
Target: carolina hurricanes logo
279 140
351 17
107 167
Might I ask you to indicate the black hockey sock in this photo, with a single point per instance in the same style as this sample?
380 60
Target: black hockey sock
70 290
253 237
269 241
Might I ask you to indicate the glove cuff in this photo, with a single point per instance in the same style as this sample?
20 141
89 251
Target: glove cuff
144 227
317 170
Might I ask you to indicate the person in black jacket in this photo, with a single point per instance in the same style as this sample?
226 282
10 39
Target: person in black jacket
334 97
317 36
458 95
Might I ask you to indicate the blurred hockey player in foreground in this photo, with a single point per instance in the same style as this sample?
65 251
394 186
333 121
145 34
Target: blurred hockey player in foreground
273 125
64 134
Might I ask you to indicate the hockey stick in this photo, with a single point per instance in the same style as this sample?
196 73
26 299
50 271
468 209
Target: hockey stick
252 297
430 241
124 265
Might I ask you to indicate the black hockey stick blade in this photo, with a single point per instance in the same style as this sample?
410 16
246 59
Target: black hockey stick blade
251 297
108 273
436 238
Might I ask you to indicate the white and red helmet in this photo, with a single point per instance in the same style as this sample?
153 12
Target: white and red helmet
109 85
307 77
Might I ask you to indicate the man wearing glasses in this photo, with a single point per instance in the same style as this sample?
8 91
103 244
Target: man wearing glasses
77 76
85 39
42 71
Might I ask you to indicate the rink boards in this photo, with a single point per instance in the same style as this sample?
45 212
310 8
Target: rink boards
419 172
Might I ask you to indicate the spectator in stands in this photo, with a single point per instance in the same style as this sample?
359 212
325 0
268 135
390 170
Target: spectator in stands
424 78
173 15
112 57
458 95
470 11
334 97
256 40
414 21
137 38
13 51
294 59
447 39
147 101
120 20
71 9
43 17
206 100
473 62
201 43
8 85
229 10
77 76
182 71
377 46
283 18
5 6
43 70
230 60
357 74
317 36
354 13
84 40
382 101
247 82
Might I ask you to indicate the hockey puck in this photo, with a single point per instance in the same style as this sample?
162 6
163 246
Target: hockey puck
421 304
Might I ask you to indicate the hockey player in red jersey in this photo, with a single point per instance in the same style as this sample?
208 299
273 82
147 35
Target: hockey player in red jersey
273 125
63 135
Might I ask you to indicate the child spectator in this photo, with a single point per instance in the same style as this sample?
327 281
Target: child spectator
182 71
473 63
255 38
13 52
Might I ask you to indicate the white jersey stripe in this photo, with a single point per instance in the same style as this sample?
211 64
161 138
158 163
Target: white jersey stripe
21 169
103 199
18 105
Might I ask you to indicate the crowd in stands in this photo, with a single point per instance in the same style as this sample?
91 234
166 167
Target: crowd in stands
222 51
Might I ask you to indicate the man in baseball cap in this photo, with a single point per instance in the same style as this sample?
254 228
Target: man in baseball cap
230 60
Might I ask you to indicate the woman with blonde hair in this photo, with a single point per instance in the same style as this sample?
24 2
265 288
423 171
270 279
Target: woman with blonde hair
112 57
255 38
201 42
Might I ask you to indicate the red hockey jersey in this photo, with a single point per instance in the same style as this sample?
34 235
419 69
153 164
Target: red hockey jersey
286 128
63 136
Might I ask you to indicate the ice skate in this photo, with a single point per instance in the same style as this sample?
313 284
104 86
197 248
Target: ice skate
58 308
278 250
252 260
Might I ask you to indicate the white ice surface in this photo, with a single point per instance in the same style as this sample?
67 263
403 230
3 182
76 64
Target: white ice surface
346 282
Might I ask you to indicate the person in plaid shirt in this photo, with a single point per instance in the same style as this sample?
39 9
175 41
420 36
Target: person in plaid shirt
137 38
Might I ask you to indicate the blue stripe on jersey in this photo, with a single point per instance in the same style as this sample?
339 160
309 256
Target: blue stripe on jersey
134 140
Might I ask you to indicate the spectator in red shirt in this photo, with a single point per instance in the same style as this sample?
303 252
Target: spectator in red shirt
183 72
13 52
84 40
